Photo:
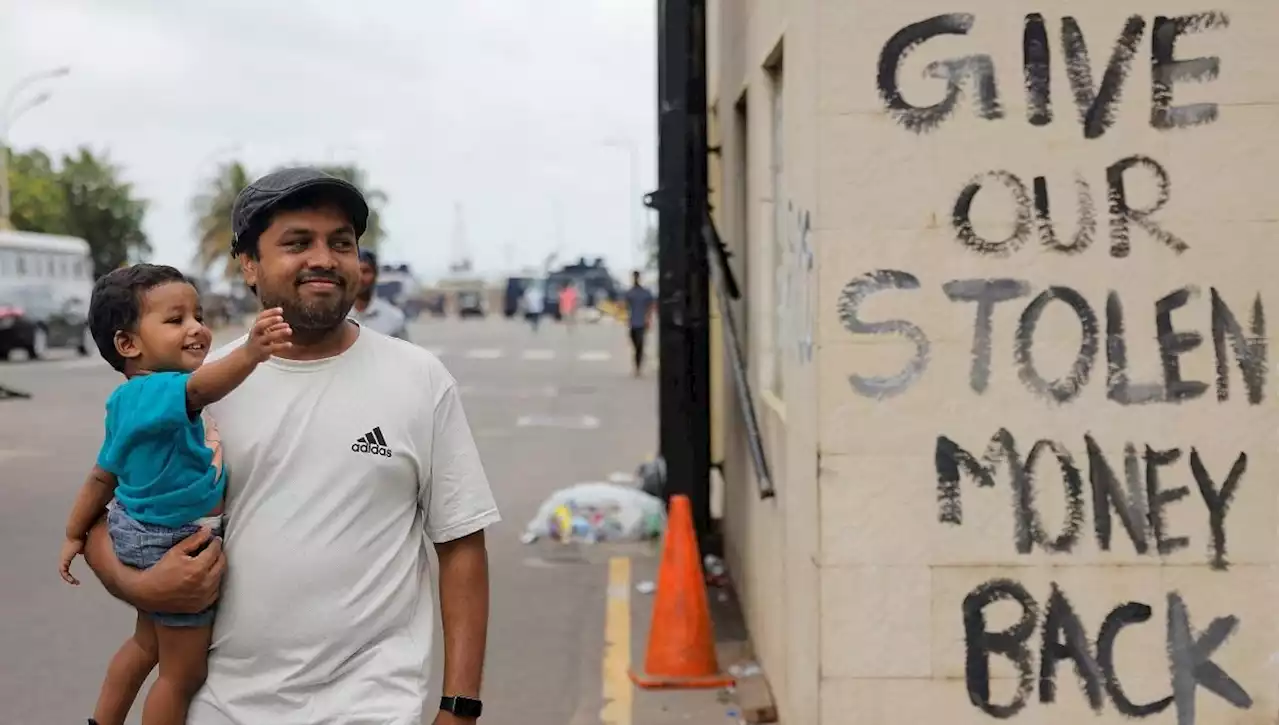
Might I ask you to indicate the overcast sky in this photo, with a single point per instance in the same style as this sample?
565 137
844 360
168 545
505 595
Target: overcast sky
502 106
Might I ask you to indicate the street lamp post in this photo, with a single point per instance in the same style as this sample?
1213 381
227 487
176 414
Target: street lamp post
9 115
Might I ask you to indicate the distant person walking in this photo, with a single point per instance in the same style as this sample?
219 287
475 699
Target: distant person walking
372 311
535 299
639 311
569 305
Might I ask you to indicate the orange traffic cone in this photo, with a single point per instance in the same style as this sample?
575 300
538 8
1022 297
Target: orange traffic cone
681 652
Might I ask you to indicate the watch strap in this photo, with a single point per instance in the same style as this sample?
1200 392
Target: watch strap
461 706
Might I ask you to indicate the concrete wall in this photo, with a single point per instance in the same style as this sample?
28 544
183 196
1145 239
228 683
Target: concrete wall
772 544
1040 406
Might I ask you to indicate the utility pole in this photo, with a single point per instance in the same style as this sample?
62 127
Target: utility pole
683 286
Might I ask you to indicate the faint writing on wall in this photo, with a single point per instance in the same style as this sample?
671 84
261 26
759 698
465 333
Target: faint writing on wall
796 286
1116 492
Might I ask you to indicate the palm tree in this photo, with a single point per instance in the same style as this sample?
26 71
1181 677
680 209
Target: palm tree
212 209
356 176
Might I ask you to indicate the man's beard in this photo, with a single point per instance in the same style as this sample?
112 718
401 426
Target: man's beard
365 294
315 318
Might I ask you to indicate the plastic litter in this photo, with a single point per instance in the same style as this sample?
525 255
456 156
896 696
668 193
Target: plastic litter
716 571
595 512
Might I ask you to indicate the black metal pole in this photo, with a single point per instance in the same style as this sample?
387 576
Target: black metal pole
683 286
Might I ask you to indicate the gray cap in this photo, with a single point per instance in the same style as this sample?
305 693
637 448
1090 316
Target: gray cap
251 213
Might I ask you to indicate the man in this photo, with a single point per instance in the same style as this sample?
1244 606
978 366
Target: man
639 310
371 311
345 455
534 300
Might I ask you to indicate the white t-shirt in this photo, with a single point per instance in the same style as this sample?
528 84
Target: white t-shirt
340 472
382 316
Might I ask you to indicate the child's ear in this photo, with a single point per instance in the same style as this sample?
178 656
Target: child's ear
126 345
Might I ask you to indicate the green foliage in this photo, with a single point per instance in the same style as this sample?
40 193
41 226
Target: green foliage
353 174
82 196
212 210
38 202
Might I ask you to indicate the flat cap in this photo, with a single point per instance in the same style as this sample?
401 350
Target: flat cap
251 213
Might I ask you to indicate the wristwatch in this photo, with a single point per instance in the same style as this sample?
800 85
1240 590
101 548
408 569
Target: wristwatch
461 706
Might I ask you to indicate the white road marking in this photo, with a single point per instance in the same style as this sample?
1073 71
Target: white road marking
490 391
488 353
573 422
79 364
594 356
538 355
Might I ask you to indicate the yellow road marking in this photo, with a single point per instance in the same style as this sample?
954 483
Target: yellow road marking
618 689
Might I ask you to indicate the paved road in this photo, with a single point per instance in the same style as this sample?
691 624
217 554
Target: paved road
549 409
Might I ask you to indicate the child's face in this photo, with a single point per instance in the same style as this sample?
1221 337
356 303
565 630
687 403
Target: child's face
171 334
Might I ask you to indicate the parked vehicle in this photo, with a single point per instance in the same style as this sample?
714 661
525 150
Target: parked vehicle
434 304
62 264
593 280
398 285
471 303
513 294
35 320
45 284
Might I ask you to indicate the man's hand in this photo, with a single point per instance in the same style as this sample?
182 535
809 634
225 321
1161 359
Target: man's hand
270 334
71 548
183 581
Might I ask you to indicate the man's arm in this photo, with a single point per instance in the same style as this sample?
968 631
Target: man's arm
182 581
458 504
464 612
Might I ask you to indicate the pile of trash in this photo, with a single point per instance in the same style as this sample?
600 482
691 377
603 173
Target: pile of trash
594 512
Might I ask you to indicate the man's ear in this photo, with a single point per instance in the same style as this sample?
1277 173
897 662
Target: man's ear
127 345
249 270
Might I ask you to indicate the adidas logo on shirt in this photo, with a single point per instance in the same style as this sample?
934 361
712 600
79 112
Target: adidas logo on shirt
372 442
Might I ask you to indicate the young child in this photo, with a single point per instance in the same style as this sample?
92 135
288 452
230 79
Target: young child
159 472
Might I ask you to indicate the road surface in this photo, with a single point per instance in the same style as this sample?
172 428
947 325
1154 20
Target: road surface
548 410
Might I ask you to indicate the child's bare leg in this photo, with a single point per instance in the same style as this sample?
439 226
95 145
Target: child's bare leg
183 657
128 670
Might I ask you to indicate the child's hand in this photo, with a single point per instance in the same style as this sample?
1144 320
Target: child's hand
71 548
270 334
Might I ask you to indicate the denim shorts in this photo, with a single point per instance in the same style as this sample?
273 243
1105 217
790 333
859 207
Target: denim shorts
140 545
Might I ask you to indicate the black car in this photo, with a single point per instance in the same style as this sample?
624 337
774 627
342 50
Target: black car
32 319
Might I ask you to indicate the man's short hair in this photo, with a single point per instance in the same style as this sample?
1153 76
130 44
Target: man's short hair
369 257
116 304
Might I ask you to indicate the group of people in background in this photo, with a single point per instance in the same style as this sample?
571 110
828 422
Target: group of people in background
639 302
